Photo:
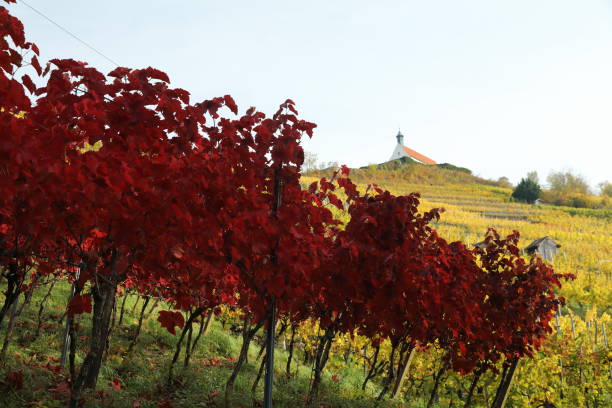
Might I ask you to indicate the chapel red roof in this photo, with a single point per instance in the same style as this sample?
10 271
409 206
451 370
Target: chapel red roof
418 156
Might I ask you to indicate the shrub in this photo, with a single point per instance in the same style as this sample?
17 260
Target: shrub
527 190
576 200
449 166
504 182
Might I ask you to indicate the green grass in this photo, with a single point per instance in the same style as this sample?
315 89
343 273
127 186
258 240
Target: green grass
143 375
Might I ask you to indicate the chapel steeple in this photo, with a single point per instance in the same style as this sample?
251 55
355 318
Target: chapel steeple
400 137
403 151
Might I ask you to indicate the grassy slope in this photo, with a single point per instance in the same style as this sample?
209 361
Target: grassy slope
143 375
408 171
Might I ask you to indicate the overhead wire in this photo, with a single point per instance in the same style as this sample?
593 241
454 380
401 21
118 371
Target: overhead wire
91 47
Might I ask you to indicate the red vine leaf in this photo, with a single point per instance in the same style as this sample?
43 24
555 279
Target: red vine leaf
170 320
79 304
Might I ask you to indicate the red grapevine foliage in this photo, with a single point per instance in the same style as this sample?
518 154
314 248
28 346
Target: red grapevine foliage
170 320
119 180
516 301
18 238
79 304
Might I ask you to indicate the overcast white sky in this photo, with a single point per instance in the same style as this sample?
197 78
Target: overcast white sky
501 87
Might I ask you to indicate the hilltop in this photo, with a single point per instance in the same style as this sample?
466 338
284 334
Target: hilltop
410 171
407 175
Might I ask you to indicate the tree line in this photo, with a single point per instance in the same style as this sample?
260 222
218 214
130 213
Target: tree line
564 188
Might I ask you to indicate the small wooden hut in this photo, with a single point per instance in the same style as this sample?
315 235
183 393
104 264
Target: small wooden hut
545 247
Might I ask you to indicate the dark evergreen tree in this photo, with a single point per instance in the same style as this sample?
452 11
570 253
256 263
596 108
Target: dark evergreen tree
527 190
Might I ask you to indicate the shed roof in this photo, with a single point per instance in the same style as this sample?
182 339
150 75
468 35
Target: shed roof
538 243
545 246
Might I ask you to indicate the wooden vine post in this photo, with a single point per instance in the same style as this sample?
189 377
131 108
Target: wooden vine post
269 378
